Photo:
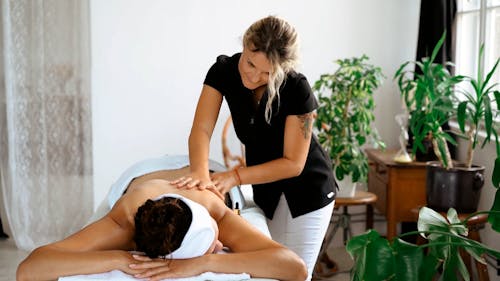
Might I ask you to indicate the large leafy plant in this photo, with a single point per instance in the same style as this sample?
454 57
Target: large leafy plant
345 115
427 89
433 98
376 258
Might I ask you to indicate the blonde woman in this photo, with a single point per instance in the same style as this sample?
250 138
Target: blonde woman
272 110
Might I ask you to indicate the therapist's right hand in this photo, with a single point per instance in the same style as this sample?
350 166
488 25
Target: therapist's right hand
193 180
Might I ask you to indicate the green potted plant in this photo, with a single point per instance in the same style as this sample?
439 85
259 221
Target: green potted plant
431 101
400 260
344 118
431 95
475 113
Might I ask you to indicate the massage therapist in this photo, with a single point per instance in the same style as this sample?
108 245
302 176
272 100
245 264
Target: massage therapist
272 108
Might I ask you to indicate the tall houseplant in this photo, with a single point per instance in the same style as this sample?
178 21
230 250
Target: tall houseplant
428 93
476 113
432 96
345 115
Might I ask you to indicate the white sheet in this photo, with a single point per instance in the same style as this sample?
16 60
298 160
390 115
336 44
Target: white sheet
117 275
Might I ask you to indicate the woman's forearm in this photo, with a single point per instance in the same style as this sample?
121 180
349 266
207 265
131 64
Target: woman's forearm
50 263
198 151
274 170
276 263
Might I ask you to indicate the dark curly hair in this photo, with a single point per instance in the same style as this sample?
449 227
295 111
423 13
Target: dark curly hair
160 226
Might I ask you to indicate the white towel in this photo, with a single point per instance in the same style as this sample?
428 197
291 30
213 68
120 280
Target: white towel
117 275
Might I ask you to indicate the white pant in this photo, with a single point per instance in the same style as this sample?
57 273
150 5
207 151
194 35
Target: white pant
304 234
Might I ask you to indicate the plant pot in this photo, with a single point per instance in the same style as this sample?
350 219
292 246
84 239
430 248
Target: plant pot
347 188
459 187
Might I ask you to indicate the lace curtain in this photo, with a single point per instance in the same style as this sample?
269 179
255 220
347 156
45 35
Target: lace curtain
45 121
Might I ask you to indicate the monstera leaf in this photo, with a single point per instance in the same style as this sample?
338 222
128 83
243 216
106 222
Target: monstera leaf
375 258
494 215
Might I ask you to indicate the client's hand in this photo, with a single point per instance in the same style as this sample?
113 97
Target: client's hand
126 259
158 269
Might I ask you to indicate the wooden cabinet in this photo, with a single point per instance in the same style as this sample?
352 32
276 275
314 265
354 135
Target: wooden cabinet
399 187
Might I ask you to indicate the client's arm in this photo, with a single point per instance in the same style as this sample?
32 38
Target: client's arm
252 253
90 250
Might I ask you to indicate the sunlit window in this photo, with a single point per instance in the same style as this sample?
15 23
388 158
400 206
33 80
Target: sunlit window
477 21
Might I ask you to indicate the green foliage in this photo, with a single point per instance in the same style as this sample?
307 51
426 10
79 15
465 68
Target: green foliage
494 218
429 96
400 260
345 115
475 113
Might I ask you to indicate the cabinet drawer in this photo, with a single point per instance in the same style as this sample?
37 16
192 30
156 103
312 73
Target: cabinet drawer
380 171
377 183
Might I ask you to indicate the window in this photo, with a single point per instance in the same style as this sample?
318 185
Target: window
477 21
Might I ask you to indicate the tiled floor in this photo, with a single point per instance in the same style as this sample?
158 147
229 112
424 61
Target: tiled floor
10 257
344 263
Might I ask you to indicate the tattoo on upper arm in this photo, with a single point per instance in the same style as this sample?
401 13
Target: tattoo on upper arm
306 120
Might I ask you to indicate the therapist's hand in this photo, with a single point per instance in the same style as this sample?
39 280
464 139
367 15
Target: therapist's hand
224 181
193 181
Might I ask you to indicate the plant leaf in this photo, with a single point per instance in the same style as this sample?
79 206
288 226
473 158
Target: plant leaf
456 227
428 220
429 268
461 115
488 118
409 259
497 98
496 173
494 215
365 249
437 47
454 264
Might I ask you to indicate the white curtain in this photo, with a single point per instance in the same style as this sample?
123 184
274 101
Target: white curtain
45 121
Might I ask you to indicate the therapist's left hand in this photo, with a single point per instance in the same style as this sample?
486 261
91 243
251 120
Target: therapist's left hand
224 181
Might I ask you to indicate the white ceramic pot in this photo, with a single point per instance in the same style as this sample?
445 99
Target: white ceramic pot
347 188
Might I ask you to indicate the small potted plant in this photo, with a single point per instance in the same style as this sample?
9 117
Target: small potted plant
432 97
344 118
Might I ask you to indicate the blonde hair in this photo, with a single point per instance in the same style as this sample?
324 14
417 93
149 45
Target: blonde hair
278 40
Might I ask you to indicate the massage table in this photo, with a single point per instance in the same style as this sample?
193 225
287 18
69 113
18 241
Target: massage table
240 196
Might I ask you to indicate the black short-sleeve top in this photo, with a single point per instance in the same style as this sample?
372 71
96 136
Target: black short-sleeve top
315 187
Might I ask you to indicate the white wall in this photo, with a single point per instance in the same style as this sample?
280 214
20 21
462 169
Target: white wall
149 59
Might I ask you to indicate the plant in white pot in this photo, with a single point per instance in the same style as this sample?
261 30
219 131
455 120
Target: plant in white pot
432 97
345 116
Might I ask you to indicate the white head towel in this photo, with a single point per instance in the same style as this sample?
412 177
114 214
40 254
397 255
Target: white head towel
200 235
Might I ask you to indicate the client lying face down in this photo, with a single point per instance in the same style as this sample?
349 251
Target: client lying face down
178 230
175 227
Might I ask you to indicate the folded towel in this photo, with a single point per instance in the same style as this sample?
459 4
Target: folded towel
117 275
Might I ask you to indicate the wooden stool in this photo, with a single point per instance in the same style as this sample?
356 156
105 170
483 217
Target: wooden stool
325 267
474 224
